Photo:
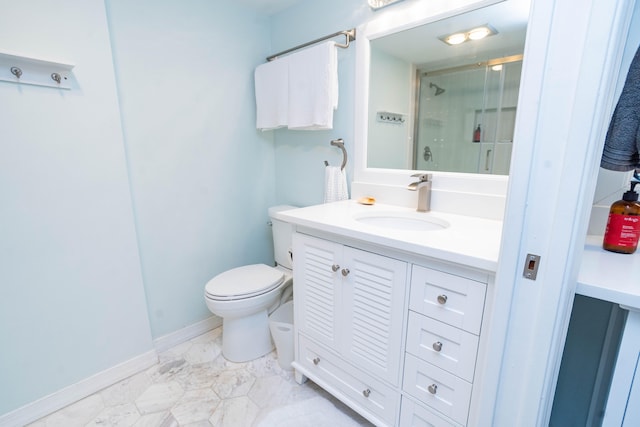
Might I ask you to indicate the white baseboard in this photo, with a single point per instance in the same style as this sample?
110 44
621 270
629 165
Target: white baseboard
185 334
68 395
75 392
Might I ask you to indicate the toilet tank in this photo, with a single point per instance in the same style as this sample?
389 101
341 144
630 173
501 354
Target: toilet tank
282 236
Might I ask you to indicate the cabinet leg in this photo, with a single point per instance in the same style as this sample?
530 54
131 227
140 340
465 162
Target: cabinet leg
300 379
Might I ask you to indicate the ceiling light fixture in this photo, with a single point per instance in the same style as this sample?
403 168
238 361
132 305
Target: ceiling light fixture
477 33
377 4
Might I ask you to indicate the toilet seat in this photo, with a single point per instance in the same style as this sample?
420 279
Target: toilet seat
244 282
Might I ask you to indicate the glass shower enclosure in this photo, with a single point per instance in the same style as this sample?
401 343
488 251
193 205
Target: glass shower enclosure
465 117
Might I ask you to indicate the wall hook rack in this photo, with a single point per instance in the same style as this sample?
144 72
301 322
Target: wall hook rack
25 70
387 117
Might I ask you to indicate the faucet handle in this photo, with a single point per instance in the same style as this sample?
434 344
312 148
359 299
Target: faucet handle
423 177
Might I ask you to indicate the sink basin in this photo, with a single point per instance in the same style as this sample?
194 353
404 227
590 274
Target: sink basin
413 221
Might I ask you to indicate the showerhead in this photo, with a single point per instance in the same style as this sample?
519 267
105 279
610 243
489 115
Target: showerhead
439 90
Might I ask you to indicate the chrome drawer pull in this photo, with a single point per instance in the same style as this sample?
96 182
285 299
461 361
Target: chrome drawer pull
366 392
335 267
345 272
437 346
316 360
442 299
433 389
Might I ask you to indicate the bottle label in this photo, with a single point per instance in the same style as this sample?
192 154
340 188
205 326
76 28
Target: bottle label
622 230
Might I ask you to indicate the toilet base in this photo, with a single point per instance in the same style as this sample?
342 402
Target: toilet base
246 338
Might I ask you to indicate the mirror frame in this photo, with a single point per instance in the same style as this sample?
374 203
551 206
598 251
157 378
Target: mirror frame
403 17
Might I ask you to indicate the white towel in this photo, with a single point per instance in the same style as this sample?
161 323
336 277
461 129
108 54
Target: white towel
272 94
335 184
313 87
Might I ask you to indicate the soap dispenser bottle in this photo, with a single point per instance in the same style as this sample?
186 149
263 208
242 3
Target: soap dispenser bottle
623 227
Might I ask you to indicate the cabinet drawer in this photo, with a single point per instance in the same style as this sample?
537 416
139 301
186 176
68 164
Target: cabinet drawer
373 396
413 414
438 389
444 346
454 300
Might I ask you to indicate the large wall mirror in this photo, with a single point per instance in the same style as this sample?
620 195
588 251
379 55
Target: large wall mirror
430 105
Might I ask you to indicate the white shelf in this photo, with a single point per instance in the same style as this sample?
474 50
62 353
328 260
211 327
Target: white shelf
33 71
609 276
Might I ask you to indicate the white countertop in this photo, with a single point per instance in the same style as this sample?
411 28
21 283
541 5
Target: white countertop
608 275
470 241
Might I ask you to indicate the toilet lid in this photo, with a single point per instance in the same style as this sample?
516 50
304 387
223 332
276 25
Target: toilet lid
244 282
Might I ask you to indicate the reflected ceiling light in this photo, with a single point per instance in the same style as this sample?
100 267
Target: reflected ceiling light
456 38
377 4
477 33
497 67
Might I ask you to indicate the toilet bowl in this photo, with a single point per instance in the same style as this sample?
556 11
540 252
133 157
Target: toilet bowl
245 296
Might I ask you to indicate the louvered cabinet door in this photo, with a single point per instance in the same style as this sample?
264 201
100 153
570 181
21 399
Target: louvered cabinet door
373 294
316 287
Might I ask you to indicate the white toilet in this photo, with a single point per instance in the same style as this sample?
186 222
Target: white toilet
245 296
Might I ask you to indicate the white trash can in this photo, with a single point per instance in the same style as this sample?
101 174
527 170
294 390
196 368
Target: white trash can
281 326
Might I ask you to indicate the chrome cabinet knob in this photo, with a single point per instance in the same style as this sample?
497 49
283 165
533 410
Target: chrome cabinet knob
442 299
335 267
366 392
433 389
345 272
316 360
437 346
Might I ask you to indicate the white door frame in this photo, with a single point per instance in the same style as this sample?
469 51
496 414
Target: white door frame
572 62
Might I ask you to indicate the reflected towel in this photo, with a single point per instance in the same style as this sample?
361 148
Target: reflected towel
313 87
272 94
335 184
622 145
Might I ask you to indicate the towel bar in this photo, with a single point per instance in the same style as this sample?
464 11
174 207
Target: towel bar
350 35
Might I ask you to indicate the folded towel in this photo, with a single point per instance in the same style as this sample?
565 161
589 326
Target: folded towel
335 184
313 87
622 145
272 94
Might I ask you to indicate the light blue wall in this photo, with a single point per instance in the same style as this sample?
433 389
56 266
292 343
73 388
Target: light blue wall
72 301
202 176
98 206
300 154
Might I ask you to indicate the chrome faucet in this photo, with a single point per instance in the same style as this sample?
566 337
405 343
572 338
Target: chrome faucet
423 186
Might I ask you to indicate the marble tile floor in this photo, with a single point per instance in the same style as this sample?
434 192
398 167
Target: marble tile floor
193 385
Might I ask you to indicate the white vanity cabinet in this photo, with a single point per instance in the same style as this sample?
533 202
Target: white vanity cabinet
395 340
443 332
349 316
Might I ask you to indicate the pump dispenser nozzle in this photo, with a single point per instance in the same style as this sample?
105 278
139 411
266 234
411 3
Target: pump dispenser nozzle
631 195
